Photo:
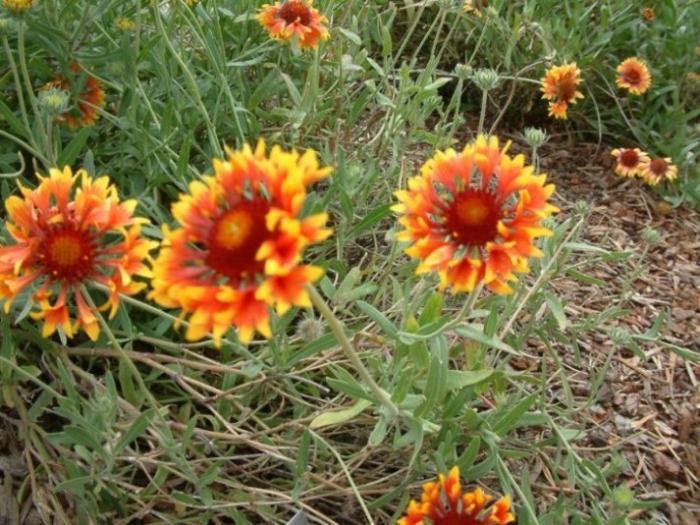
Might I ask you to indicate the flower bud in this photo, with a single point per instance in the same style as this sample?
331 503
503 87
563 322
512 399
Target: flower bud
535 137
486 79
53 100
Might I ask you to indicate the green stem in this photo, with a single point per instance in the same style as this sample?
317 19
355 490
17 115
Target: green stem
337 328
482 115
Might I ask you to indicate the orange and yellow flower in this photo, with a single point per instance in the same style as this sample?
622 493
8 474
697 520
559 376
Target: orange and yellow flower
648 14
238 250
629 161
560 88
655 170
65 238
475 6
17 6
634 76
444 503
294 18
88 100
472 217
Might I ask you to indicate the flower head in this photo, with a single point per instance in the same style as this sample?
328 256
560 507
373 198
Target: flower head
634 76
655 170
17 6
88 93
444 503
560 87
475 6
648 14
290 18
65 238
238 249
125 24
629 161
472 216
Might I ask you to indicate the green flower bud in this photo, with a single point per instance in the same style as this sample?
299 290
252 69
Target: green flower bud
535 137
486 79
53 101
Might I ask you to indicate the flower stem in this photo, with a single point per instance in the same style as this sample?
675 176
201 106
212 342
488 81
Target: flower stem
337 328
482 115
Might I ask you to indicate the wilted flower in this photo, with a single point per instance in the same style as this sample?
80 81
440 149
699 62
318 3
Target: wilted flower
560 87
238 249
648 14
443 502
473 216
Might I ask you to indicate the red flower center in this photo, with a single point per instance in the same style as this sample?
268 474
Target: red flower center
235 238
566 88
472 217
632 75
295 11
658 166
68 253
629 158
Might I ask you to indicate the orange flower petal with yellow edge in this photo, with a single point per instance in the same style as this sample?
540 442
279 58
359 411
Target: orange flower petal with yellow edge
238 249
69 231
443 502
294 19
473 216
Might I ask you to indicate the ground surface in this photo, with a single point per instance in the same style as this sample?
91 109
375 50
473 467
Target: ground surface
649 409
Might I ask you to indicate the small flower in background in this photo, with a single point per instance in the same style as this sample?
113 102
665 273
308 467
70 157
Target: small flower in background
444 503
17 6
634 76
291 18
693 76
655 170
238 249
475 6
473 216
125 24
192 2
629 161
560 87
90 98
62 243
648 14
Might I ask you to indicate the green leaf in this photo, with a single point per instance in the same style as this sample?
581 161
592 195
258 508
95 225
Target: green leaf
335 417
137 428
384 323
474 333
74 148
458 379
557 310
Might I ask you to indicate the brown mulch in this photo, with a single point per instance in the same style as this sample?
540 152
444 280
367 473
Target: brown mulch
648 408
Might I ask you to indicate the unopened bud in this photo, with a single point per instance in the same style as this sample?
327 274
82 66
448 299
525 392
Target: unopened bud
53 100
486 79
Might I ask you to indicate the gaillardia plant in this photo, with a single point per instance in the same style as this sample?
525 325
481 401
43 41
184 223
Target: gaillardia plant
238 249
472 216
443 502
629 161
65 239
560 88
634 76
294 18
87 93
